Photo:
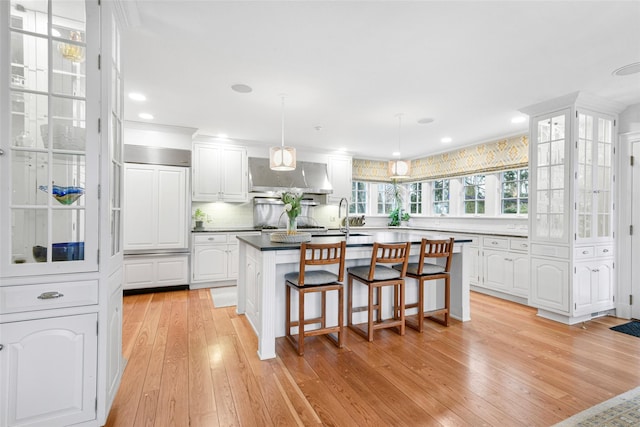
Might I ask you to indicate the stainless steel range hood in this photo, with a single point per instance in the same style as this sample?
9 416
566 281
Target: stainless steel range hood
308 177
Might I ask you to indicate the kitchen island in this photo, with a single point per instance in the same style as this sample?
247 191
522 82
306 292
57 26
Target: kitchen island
263 264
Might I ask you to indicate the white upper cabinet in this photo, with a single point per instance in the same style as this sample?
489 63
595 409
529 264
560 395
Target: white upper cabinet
339 169
219 173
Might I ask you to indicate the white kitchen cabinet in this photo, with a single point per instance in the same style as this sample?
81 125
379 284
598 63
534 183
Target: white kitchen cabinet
340 170
155 271
61 169
550 284
49 371
220 173
504 266
215 258
593 286
155 207
571 210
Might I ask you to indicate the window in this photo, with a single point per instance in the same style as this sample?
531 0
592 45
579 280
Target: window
515 191
415 198
358 198
440 197
385 198
474 194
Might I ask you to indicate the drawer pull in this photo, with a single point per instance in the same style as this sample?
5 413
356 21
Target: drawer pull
605 250
50 295
595 270
585 252
494 243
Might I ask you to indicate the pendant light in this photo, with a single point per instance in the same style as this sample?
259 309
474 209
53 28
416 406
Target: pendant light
399 169
282 158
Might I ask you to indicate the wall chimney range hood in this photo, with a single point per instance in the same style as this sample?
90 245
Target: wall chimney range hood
308 177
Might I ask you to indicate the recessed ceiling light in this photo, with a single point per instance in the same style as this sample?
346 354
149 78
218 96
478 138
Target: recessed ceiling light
145 116
425 120
222 136
627 69
137 96
446 140
396 154
241 88
519 119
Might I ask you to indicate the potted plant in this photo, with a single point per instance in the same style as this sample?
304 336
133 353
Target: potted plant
199 216
395 192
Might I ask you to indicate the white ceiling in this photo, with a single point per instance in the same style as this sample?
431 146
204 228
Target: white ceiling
351 67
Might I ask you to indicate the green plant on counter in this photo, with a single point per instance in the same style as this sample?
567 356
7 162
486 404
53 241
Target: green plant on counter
199 215
398 215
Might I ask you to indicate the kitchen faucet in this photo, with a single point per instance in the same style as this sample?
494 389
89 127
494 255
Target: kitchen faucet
345 230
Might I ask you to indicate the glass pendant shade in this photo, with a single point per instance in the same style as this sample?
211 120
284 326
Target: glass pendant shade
399 169
282 158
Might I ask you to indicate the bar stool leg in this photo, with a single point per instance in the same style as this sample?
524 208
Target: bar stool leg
447 298
340 316
288 313
349 302
300 322
323 320
402 323
370 314
420 305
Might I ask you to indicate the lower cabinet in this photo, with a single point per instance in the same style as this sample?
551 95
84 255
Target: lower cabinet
215 258
593 287
502 265
550 284
58 392
154 271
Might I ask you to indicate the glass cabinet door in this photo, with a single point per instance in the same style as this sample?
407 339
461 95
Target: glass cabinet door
52 205
550 135
594 177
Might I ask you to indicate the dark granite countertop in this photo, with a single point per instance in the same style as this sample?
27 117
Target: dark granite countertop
356 239
229 229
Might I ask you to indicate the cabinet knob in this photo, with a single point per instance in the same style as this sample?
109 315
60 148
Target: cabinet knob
1 153
595 270
50 295
1 347
605 250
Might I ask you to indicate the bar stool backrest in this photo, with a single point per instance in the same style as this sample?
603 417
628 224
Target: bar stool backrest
389 253
322 254
432 248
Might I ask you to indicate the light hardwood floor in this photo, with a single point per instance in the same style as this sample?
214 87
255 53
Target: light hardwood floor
190 364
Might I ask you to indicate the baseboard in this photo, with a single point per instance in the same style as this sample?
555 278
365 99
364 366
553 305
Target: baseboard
156 289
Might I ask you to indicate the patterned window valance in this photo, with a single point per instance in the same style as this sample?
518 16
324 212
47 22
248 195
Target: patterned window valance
508 153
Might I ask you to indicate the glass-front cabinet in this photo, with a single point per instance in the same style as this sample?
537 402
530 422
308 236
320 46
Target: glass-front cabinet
571 220
60 208
53 139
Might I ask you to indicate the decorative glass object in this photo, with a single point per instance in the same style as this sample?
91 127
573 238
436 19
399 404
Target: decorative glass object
64 195
72 52
292 225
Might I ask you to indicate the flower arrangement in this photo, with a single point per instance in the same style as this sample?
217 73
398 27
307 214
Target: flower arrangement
292 208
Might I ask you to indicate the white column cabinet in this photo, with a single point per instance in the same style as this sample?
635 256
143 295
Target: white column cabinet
61 170
571 210
220 173
156 206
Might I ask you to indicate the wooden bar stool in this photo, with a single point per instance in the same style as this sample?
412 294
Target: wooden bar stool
375 276
423 271
306 281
